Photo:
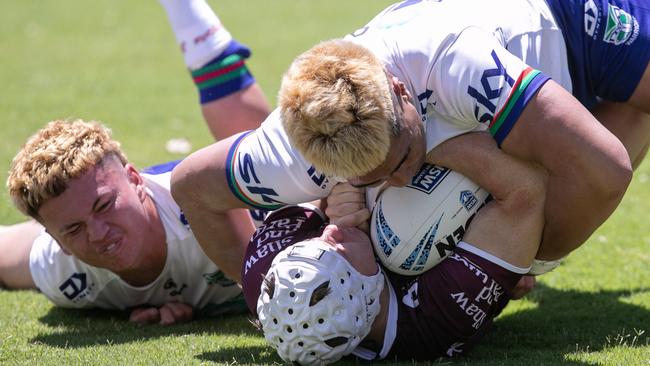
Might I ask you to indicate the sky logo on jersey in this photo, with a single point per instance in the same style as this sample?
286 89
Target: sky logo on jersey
468 199
251 192
428 178
620 26
485 109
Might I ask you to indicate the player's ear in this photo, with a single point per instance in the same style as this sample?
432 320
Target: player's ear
136 179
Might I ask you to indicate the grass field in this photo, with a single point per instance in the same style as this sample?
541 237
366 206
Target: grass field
116 61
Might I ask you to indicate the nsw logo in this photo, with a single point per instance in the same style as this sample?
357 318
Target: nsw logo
468 199
428 178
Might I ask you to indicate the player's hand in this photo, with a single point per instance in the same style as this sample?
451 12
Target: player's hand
346 207
170 313
523 287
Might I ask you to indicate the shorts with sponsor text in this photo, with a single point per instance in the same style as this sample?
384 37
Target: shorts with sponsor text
445 311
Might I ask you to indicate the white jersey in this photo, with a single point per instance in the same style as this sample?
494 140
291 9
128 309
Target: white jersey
471 65
188 275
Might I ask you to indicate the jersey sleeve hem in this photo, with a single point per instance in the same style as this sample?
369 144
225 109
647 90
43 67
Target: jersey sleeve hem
234 187
526 86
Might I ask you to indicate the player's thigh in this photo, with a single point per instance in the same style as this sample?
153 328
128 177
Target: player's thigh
15 245
641 96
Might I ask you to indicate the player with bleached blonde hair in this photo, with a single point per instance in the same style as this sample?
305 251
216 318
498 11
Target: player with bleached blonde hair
534 81
336 114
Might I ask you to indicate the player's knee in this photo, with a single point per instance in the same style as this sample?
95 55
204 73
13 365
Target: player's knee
613 182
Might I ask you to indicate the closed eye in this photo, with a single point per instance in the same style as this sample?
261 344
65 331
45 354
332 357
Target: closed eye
103 206
72 230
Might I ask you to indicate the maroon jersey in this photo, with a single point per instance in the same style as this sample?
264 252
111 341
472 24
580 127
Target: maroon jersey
442 312
282 228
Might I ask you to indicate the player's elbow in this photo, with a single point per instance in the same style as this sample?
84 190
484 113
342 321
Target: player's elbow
180 185
529 194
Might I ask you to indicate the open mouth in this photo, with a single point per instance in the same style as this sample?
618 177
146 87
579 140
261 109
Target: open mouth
112 247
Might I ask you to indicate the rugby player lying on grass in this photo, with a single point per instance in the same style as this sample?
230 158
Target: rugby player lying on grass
105 235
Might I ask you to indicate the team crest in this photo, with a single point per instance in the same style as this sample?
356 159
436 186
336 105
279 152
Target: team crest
621 27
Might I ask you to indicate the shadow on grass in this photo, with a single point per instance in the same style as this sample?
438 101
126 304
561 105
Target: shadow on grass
253 355
563 323
82 328
566 322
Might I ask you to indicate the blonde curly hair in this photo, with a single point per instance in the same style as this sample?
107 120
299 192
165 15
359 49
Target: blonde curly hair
336 106
61 151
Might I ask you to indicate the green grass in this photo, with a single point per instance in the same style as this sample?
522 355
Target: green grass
116 61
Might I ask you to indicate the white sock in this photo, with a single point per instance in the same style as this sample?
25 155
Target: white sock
198 31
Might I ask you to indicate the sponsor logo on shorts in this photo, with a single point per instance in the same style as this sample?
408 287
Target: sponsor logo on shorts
428 178
410 298
455 348
621 27
468 199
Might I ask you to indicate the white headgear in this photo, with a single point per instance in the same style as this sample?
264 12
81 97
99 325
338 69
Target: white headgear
317 332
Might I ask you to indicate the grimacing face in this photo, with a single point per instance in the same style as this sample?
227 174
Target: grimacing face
407 150
106 219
